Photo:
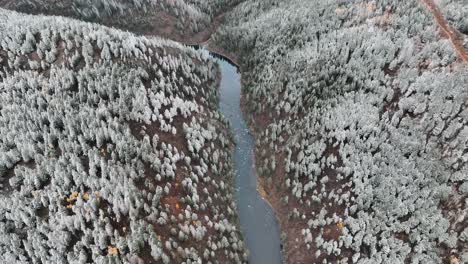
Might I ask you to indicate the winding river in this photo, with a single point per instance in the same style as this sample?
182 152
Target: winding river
257 219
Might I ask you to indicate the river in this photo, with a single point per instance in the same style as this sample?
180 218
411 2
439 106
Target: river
257 219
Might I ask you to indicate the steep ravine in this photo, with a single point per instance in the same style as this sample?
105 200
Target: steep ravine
257 219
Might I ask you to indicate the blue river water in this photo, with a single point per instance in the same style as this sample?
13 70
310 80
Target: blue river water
257 219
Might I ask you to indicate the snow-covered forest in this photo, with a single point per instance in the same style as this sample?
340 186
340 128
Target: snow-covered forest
361 113
112 149
177 19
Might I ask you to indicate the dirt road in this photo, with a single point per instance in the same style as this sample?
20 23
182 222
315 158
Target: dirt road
452 33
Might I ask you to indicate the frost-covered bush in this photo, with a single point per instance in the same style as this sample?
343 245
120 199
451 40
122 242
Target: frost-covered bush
365 137
111 148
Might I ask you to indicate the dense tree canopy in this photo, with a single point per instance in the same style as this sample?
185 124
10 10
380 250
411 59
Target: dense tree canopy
158 17
111 148
364 151
111 144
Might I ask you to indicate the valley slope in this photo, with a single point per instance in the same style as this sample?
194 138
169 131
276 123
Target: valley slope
111 148
360 113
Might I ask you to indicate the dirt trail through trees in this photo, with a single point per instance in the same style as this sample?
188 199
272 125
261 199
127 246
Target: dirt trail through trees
453 34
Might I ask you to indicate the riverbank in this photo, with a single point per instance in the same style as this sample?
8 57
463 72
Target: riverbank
203 39
258 220
272 193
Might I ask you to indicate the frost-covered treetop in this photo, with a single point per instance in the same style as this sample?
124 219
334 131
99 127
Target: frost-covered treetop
111 148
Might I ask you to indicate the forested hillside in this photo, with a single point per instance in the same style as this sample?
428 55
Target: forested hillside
183 20
111 148
361 112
